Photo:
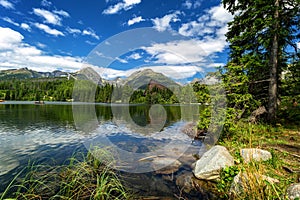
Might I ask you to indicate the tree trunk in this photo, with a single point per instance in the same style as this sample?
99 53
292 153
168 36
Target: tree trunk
272 107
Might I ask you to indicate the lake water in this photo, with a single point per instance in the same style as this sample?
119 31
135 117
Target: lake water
55 131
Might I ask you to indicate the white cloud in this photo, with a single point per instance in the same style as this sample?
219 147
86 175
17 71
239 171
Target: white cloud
48 30
73 30
185 51
49 17
162 24
90 43
46 3
298 45
134 56
90 32
215 18
220 14
9 20
191 5
14 53
135 20
121 60
188 4
41 45
62 13
25 27
6 4
9 38
125 5
171 71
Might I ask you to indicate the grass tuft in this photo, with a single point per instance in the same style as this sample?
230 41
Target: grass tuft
82 177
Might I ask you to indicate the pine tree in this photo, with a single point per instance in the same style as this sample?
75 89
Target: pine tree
262 36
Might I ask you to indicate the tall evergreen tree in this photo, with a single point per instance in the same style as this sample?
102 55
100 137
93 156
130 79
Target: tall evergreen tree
262 36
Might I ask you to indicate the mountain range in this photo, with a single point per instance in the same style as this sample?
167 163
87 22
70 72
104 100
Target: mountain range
139 79
25 73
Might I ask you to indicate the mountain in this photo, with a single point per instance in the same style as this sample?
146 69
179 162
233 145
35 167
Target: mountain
25 73
141 79
22 73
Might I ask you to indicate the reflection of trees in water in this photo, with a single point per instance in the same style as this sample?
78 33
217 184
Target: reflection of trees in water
22 116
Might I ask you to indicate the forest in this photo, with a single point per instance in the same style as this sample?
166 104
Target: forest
61 89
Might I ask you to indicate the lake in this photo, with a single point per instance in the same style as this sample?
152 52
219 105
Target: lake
141 135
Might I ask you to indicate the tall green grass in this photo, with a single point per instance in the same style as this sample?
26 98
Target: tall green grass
82 177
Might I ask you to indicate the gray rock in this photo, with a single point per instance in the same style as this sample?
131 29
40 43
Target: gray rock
209 165
293 191
185 183
241 181
255 155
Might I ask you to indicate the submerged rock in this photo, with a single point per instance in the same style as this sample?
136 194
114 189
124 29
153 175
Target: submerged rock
293 191
185 183
165 165
255 155
209 165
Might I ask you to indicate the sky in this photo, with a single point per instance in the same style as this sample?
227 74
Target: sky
179 38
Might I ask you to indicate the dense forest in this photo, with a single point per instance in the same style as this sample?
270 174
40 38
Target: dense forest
61 89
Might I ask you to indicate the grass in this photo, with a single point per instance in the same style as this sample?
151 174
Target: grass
282 142
83 177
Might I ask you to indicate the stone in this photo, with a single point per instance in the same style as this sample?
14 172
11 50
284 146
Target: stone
241 180
252 154
293 191
165 165
209 165
185 183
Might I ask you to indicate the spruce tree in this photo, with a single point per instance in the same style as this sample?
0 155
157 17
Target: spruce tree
263 35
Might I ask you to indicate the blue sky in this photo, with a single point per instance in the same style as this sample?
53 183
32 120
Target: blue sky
61 34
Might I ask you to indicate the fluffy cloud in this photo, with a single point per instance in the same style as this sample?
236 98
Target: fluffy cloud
6 4
90 32
215 18
62 13
135 20
125 5
14 53
9 38
22 25
25 27
9 20
191 5
49 17
46 3
162 24
48 30
186 51
134 56
171 71
73 30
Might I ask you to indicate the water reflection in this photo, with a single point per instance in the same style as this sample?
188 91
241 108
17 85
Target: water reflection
28 130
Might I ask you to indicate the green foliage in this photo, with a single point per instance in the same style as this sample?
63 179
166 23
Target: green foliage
56 89
87 177
262 37
226 178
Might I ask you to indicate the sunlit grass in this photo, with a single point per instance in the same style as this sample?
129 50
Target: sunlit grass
276 139
83 177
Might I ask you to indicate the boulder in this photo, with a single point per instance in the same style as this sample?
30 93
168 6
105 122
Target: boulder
255 155
209 165
293 191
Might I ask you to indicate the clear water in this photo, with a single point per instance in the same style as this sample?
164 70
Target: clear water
43 133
